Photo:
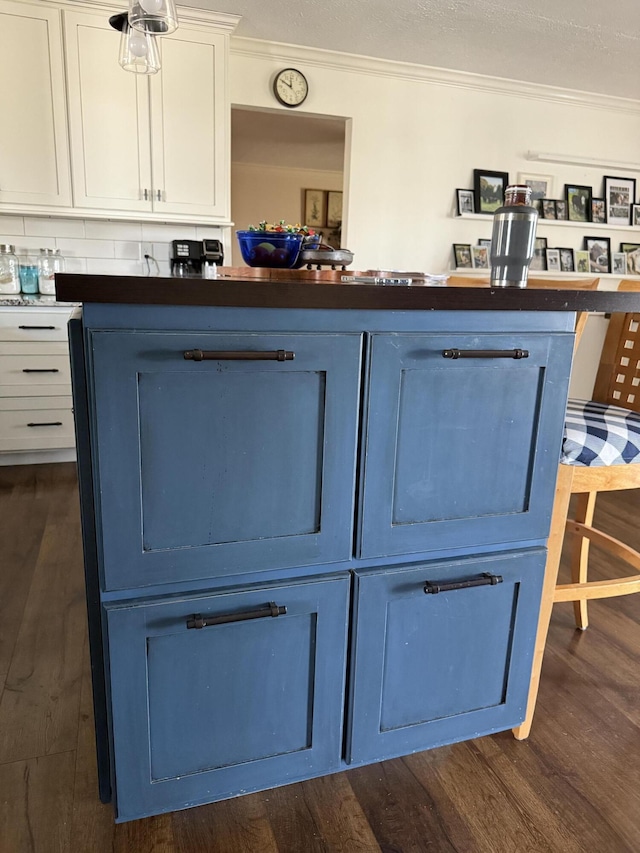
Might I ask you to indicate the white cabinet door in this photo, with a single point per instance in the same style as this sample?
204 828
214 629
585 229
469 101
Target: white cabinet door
108 117
190 125
34 153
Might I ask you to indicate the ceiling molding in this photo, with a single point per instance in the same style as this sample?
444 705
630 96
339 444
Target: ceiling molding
186 14
319 58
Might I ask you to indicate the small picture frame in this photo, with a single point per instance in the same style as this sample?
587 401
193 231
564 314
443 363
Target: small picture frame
629 247
635 215
334 209
581 260
466 201
567 260
598 210
553 260
548 208
541 186
619 195
489 189
578 200
485 241
561 208
315 208
619 263
480 257
599 249
633 260
462 256
539 260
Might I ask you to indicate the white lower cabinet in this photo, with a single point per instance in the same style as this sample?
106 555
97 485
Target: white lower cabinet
35 384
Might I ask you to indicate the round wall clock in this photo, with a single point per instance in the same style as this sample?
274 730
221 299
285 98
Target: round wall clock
290 87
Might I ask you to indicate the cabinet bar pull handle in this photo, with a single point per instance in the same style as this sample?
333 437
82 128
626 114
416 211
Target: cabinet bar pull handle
36 327
485 579
270 609
159 195
40 370
485 353
51 423
239 355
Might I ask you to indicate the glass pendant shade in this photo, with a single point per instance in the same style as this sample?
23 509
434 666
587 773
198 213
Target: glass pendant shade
157 17
138 52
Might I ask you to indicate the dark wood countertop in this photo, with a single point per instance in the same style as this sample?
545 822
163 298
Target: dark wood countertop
252 293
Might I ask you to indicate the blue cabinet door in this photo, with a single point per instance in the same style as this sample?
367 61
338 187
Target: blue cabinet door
430 669
206 713
226 465
461 451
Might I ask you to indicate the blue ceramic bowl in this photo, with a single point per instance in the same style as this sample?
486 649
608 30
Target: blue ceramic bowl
277 250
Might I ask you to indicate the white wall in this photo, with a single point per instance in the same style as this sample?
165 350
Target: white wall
416 134
272 193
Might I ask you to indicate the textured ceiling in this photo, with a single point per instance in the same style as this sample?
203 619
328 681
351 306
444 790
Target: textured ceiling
590 45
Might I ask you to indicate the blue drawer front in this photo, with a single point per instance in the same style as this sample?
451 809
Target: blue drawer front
199 715
461 452
433 669
222 467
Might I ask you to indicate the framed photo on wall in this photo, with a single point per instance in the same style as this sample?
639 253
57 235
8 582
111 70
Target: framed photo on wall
561 208
541 187
619 195
480 257
315 208
599 249
598 210
567 261
489 189
553 260
619 263
465 200
462 255
581 260
635 215
548 208
578 200
334 209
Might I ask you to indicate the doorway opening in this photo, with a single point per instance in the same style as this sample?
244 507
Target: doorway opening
276 157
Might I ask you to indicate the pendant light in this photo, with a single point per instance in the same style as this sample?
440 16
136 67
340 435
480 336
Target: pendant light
138 50
157 17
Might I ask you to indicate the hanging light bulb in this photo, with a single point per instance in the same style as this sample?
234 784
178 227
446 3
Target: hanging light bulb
138 50
158 17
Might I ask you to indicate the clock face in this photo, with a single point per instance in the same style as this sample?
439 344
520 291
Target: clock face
290 87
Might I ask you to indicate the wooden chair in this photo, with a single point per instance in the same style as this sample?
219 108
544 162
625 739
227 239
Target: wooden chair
617 384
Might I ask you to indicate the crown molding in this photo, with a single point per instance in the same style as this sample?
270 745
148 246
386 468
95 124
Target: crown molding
334 60
186 14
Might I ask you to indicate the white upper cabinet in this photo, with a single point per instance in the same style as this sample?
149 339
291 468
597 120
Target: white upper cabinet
34 154
190 125
108 119
154 144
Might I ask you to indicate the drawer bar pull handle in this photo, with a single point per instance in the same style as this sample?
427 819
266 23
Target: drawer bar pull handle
485 353
271 609
485 579
50 423
239 355
37 327
40 370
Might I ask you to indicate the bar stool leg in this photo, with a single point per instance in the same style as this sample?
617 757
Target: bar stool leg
554 551
580 554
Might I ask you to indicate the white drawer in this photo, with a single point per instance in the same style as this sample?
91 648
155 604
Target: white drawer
25 375
34 348
34 324
33 404
36 429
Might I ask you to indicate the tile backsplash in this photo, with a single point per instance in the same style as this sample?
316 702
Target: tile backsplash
101 246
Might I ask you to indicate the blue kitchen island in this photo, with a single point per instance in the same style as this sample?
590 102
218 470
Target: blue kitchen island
314 520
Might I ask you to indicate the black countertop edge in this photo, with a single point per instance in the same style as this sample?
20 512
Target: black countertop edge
249 293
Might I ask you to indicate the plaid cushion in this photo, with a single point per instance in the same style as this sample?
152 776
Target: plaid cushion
598 434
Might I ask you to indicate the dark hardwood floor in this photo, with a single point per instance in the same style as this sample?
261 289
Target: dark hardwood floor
573 786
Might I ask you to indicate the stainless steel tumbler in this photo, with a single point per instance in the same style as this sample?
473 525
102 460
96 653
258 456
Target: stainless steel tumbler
513 238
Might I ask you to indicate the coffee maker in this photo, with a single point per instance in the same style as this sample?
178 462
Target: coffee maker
186 258
190 258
